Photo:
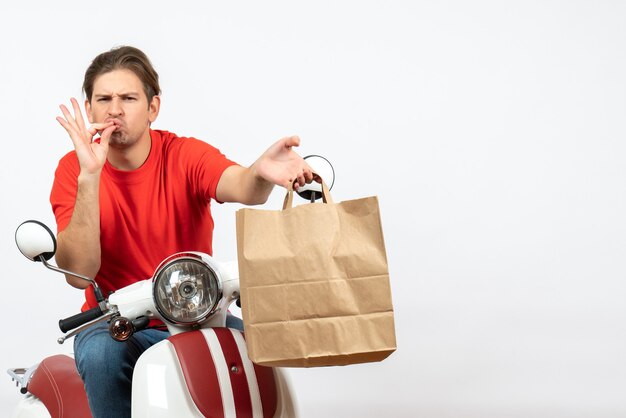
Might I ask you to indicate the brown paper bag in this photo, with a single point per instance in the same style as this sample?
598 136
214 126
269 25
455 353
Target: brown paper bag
315 283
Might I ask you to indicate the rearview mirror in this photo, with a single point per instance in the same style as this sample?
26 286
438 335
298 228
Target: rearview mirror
323 167
35 240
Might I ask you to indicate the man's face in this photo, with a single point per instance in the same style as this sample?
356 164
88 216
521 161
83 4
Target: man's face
118 96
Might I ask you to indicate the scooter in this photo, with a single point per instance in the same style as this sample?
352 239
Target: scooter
201 370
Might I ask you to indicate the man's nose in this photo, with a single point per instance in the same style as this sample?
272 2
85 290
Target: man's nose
115 107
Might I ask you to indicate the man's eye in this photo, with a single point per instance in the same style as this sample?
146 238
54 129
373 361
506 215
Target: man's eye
102 99
129 98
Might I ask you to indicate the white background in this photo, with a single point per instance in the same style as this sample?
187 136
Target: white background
492 132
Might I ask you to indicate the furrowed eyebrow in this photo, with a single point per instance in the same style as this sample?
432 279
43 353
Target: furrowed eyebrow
108 96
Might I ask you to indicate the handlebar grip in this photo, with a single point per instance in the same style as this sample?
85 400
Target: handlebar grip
79 319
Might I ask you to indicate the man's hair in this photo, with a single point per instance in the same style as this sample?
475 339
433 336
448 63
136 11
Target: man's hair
127 58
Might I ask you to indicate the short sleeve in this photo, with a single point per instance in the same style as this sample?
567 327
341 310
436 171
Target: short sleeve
64 189
204 166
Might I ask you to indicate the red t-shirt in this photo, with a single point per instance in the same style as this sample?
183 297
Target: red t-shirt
150 213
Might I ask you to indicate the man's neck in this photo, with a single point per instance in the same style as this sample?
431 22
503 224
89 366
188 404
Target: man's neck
131 157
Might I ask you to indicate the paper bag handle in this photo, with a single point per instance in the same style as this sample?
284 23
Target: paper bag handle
326 198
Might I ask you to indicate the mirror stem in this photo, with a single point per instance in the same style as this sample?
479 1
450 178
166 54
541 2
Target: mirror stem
96 289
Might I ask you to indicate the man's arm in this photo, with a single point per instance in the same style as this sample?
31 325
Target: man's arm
78 245
278 165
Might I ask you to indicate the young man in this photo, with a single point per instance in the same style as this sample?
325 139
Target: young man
125 202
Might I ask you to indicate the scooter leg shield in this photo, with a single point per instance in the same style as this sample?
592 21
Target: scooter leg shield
205 373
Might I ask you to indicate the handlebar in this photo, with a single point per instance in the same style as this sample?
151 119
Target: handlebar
79 319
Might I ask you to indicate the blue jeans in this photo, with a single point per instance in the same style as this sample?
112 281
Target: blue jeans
106 366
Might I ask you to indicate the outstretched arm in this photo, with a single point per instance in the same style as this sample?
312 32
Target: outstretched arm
78 245
279 165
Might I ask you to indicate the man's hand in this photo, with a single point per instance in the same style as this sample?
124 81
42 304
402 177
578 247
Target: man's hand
91 155
281 165
78 245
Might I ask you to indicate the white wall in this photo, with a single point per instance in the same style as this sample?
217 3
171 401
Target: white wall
492 132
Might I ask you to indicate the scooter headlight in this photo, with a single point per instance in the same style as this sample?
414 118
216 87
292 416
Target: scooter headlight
186 289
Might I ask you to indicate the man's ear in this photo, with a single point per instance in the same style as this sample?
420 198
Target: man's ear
88 110
154 107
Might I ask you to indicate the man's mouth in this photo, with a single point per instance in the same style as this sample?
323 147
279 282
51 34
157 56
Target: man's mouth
116 122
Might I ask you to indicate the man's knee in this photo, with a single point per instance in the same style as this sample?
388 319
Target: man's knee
98 353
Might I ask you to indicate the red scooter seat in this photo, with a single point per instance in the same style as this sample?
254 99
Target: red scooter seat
57 384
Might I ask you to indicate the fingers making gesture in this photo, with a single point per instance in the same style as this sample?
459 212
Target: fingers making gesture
91 155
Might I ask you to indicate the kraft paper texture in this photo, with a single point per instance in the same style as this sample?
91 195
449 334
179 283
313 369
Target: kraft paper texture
315 284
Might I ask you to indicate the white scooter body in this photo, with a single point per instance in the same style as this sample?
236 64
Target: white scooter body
157 388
